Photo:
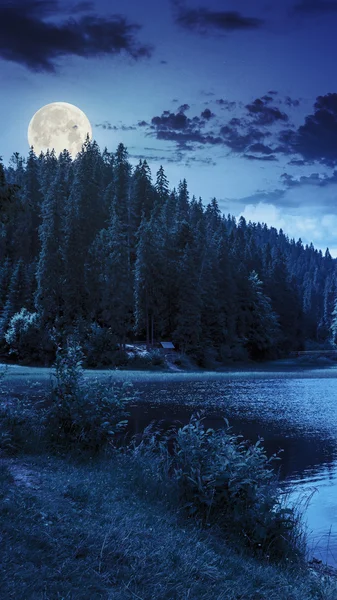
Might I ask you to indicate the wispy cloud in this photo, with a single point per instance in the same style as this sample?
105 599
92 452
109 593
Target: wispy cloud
314 7
27 38
204 20
315 141
107 125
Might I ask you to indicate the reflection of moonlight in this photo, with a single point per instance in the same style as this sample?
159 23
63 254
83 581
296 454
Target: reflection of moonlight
59 125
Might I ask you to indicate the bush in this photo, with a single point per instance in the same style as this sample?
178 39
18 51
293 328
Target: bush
147 360
198 356
100 347
83 417
157 359
23 336
228 482
20 429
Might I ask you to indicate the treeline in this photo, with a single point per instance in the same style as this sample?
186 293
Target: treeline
98 249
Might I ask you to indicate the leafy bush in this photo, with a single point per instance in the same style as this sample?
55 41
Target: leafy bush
83 417
100 348
23 335
228 482
149 359
11 429
198 355
157 359
20 428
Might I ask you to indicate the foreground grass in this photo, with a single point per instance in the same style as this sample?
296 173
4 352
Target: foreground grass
107 530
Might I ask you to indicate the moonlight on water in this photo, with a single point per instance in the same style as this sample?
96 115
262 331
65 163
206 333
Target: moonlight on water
58 125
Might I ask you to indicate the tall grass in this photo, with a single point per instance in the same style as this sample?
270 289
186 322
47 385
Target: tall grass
225 481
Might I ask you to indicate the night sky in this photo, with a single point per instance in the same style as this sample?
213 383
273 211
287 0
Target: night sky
239 97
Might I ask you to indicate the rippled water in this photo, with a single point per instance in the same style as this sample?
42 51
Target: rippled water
295 410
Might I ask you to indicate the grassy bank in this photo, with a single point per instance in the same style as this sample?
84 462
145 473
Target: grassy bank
107 531
193 515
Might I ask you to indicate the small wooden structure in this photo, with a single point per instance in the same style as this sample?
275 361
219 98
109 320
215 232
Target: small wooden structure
167 348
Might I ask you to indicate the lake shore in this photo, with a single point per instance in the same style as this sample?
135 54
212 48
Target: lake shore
106 530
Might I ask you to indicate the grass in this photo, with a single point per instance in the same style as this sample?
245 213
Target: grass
106 530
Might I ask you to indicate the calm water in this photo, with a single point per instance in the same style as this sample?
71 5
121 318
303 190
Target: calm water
295 410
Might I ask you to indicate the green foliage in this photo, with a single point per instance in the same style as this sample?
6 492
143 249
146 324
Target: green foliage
12 425
83 417
157 359
100 347
20 428
23 335
228 482
148 360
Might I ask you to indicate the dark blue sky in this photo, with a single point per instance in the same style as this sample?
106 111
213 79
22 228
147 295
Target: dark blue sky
239 97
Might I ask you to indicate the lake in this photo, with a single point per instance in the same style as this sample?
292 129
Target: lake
293 409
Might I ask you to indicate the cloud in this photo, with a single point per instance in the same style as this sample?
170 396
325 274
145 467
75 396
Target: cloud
183 130
318 229
207 114
291 102
81 7
315 179
204 20
27 38
107 125
264 114
262 148
252 133
316 139
263 158
240 135
226 104
240 142
315 7
205 93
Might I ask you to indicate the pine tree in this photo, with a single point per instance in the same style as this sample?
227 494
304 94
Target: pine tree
188 332
161 190
334 325
143 195
183 202
148 284
262 323
17 297
50 268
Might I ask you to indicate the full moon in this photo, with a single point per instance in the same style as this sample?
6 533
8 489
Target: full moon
58 125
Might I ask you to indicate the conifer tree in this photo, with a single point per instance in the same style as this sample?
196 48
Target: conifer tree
263 328
188 331
50 268
148 284
17 297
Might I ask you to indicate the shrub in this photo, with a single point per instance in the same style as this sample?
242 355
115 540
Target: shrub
83 417
100 347
157 359
23 335
228 482
197 354
20 428
149 359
